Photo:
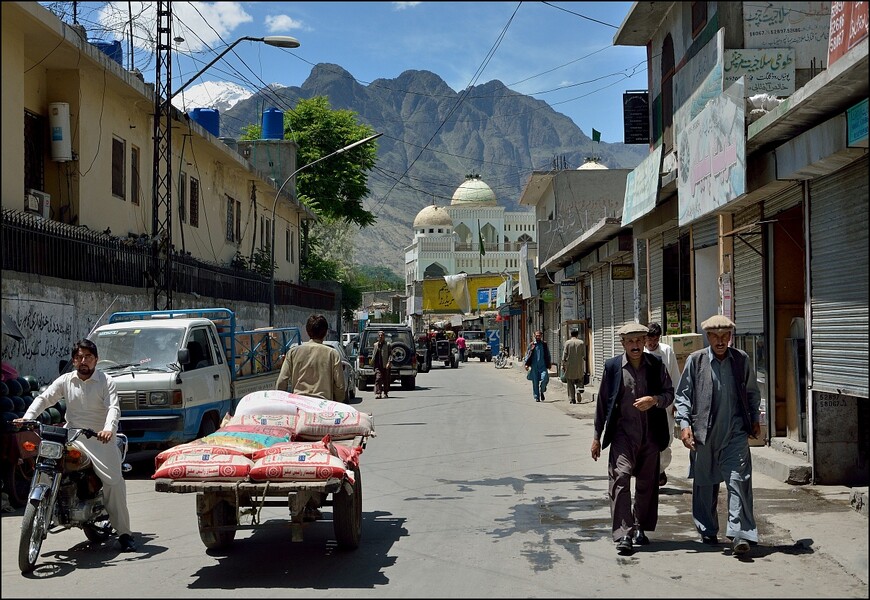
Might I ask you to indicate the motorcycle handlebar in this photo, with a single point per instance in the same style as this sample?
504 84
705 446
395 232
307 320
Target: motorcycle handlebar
32 424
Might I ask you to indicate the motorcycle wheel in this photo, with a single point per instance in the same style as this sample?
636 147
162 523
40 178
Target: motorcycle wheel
34 528
347 514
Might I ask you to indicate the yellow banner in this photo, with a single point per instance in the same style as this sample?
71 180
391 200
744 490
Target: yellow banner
481 289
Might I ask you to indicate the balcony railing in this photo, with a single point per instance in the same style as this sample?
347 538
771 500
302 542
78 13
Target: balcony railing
50 248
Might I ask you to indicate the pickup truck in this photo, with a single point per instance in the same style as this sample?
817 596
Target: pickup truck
179 372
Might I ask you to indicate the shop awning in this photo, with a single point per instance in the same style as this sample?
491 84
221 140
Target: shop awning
601 232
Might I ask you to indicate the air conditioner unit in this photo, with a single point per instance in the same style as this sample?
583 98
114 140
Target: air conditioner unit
38 203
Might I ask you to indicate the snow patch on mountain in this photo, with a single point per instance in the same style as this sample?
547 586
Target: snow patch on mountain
222 95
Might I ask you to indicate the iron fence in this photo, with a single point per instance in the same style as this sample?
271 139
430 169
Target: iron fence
43 247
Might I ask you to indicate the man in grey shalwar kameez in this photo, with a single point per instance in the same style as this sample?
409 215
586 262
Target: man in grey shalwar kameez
717 409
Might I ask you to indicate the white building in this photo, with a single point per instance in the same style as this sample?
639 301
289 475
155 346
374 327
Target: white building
448 241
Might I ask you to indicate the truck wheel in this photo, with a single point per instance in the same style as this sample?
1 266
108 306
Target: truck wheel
220 514
347 514
207 427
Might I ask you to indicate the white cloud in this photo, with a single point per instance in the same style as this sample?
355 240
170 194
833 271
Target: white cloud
201 24
404 5
281 23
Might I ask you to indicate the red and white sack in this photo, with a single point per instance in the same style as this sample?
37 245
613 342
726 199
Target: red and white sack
289 448
311 464
266 402
205 465
288 421
339 424
194 446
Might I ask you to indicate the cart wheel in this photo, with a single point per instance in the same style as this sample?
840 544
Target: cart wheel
347 514
221 514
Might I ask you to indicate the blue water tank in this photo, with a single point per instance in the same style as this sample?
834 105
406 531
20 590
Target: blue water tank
209 118
111 49
273 124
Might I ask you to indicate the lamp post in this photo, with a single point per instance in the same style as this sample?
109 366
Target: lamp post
275 206
280 41
161 186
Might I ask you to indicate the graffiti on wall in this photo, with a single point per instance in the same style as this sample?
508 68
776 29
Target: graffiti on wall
47 328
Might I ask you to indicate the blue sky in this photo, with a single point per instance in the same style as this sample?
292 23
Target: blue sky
559 52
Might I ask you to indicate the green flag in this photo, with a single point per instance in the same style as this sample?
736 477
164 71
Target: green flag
596 135
480 237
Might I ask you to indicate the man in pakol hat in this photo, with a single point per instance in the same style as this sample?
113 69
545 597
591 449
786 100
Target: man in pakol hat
717 408
630 417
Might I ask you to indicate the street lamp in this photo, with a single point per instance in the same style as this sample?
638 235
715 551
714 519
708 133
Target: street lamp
275 206
280 41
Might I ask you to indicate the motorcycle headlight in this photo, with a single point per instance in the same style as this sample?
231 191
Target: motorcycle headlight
158 399
50 450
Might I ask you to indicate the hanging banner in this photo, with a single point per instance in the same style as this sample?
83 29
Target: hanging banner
568 291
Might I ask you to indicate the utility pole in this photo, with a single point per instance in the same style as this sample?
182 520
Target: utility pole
161 182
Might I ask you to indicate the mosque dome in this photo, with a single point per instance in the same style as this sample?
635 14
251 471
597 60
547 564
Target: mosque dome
473 191
591 164
432 216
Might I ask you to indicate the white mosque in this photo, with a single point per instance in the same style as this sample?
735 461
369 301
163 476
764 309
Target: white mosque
447 239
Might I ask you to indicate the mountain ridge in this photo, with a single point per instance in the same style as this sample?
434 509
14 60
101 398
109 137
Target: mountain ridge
434 137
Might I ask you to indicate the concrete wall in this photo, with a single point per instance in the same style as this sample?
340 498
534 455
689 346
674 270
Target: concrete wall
54 313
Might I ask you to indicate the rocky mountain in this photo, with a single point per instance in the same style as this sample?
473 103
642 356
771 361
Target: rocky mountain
433 137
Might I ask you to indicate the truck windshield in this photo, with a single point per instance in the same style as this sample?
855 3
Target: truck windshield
154 348
474 336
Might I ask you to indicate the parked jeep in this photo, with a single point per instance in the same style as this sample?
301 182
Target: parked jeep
477 345
404 355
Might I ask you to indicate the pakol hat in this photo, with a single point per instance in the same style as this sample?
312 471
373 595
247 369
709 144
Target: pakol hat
717 322
633 329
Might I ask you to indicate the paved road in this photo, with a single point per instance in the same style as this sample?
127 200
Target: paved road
470 490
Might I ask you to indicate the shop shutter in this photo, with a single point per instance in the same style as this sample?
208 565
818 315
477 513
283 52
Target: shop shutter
656 276
748 280
705 232
551 326
786 199
838 274
598 321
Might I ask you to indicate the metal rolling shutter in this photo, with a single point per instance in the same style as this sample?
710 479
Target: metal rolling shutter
705 232
609 325
551 325
838 273
784 200
656 272
748 280
598 321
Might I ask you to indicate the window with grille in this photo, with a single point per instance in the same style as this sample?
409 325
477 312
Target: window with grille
238 221
34 151
231 211
182 197
135 177
194 202
288 250
119 167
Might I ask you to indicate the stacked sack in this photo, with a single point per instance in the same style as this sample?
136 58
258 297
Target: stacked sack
273 436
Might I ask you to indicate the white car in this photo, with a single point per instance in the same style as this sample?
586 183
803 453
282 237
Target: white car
349 371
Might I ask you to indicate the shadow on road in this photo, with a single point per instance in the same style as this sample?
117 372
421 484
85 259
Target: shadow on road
314 563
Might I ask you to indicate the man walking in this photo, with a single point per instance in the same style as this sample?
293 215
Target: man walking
460 343
313 368
537 365
382 355
666 353
574 365
717 406
634 393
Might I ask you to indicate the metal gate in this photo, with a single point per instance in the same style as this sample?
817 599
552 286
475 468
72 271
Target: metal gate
705 232
748 279
838 275
789 197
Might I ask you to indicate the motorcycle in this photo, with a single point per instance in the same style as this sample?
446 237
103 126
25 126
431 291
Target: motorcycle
65 491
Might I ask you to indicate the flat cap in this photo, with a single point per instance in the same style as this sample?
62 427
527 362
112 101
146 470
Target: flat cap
717 322
633 329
